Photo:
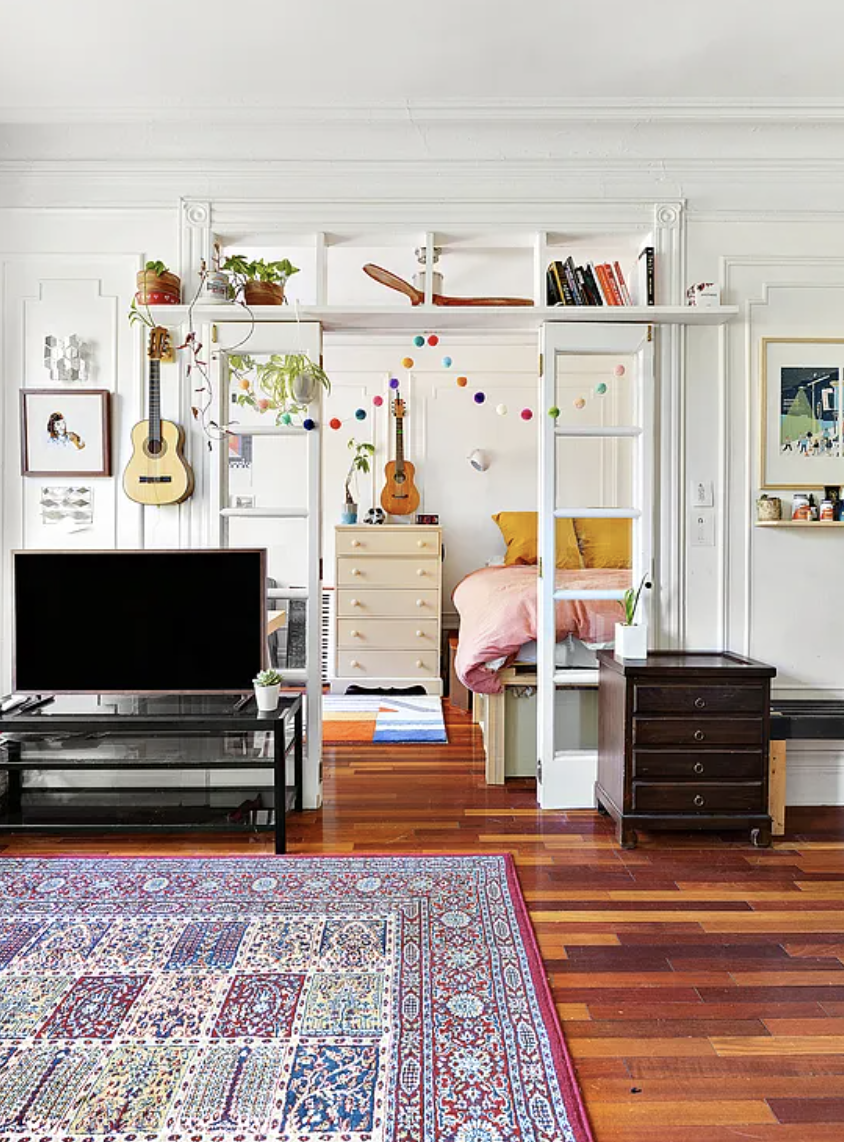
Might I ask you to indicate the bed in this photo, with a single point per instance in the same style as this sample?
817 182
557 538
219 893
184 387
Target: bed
498 608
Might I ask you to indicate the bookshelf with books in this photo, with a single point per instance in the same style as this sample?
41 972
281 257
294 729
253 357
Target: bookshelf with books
601 284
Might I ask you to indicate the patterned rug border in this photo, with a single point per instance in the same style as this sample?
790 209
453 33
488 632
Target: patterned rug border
573 1098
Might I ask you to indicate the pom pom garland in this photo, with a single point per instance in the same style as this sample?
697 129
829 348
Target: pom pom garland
335 423
433 340
418 340
406 363
447 362
600 389
553 412
619 370
479 398
462 382
580 403
501 409
360 414
308 424
377 401
394 381
526 414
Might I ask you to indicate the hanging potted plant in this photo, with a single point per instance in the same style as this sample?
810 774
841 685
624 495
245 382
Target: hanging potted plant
362 454
257 281
631 638
157 285
285 383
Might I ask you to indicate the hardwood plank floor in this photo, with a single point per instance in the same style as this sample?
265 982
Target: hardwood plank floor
700 981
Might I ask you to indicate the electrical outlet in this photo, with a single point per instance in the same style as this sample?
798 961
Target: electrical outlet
702 494
703 529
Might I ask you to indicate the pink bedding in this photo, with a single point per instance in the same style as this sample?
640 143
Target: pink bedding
497 607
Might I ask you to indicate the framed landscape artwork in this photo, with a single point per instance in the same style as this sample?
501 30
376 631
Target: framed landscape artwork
801 430
65 432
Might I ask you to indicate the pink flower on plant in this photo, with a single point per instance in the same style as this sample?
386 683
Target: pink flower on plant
263 404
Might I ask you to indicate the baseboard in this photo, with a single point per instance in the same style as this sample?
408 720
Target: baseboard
815 773
568 782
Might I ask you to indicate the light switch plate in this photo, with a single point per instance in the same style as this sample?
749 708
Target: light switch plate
703 495
702 529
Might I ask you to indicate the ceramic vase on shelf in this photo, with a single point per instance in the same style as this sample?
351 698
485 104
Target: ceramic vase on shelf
266 697
263 293
631 641
349 513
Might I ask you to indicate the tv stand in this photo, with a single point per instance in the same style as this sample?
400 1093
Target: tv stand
26 745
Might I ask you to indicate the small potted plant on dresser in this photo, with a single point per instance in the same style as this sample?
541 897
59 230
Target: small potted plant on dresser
259 282
631 638
362 454
267 684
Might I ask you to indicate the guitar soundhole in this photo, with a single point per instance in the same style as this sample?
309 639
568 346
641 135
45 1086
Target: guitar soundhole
399 478
155 448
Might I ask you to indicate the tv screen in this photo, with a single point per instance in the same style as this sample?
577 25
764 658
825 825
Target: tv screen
134 622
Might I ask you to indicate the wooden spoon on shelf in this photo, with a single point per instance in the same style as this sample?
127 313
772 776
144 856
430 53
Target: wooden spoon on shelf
417 296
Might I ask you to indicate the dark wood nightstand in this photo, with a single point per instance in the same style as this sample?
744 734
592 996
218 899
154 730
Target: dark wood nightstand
683 741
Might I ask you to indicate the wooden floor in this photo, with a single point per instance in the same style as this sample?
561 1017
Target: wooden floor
700 981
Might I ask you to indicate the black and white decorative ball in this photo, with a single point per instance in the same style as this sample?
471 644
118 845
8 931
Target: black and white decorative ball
374 515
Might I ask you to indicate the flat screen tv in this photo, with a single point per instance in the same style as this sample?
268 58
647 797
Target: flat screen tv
138 622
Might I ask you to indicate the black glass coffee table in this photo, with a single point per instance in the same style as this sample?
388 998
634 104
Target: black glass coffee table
153 734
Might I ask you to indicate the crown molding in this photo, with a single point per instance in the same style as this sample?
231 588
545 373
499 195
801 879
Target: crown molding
419 111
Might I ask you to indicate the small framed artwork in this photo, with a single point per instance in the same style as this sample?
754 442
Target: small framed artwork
65 432
801 430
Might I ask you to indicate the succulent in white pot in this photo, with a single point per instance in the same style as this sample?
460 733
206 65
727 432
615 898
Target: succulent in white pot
267 684
631 638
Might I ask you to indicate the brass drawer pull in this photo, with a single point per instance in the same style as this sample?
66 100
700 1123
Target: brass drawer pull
699 801
698 767
699 735
700 703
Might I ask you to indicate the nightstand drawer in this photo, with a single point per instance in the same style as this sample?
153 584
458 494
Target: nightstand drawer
697 733
394 541
698 765
388 634
697 700
688 797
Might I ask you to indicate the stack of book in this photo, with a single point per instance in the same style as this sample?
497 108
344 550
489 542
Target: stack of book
604 284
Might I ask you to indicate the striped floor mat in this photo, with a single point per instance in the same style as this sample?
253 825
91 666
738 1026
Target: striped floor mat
378 718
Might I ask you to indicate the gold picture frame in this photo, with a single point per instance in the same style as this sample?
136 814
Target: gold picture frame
814 456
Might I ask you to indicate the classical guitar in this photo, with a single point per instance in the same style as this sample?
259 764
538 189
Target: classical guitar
400 496
158 472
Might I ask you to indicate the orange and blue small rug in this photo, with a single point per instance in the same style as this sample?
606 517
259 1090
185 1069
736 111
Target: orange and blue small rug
379 718
282 999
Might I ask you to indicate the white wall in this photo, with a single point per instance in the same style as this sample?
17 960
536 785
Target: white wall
763 217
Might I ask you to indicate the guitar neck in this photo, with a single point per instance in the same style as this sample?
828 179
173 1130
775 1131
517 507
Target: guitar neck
154 417
399 444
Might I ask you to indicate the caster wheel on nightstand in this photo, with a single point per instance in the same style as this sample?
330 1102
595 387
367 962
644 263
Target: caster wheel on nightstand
760 838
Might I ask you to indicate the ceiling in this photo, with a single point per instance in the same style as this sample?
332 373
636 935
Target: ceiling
199 59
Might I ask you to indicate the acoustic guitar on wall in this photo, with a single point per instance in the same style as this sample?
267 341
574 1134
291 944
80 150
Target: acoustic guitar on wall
158 472
400 495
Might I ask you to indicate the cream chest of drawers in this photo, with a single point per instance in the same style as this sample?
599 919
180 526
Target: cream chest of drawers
388 607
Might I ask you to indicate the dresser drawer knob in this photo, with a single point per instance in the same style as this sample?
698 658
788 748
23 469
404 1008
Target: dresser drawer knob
420 571
420 634
698 767
699 801
699 735
354 664
419 663
354 633
355 571
420 602
421 543
354 603
355 543
700 703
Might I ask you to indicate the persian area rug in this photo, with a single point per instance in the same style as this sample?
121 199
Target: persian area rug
379 718
279 999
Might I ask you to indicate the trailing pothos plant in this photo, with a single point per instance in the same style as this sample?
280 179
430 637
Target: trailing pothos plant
280 384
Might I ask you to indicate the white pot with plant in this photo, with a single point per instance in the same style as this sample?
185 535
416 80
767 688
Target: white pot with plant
258 282
267 684
362 454
631 638
275 385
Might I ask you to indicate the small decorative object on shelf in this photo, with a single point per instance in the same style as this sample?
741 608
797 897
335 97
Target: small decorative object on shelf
158 286
833 493
417 296
768 508
800 506
267 684
428 520
257 281
375 516
704 295
631 638
589 284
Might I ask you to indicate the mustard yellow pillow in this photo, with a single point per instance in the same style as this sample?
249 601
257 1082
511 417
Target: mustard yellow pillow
604 542
519 532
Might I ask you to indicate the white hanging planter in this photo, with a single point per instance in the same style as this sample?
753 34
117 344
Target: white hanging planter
304 388
631 641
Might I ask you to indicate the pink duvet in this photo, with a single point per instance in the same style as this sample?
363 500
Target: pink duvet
497 607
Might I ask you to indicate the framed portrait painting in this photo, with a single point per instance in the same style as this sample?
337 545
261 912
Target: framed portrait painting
801 430
65 432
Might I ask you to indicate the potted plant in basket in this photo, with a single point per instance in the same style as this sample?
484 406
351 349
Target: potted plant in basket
631 638
259 282
285 383
360 463
267 684
158 286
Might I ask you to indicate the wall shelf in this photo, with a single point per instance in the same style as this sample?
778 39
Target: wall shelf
818 525
412 319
